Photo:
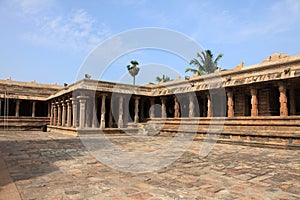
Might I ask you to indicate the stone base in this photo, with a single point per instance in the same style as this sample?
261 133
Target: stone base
23 123
257 131
77 131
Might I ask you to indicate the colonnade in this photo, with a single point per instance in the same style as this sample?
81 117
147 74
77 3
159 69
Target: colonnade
82 112
285 109
17 107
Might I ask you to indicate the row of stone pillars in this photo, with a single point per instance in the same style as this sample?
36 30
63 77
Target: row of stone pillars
17 108
230 104
64 113
283 110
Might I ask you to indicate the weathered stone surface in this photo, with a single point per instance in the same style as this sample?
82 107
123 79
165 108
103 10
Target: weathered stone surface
56 166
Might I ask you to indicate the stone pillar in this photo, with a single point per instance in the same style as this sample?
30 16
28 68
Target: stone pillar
163 107
51 114
17 108
69 113
102 119
126 110
120 120
191 106
58 113
254 102
75 107
176 108
54 114
283 100
152 108
292 102
110 120
209 106
88 112
136 109
64 113
33 109
82 111
230 104
94 111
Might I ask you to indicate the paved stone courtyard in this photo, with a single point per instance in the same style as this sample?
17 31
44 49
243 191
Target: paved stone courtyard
55 166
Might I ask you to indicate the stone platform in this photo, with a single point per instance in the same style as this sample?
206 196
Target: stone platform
58 166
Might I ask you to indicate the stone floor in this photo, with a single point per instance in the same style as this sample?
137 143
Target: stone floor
55 166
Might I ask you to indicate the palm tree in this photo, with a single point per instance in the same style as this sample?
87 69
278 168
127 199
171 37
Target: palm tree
204 63
133 69
164 78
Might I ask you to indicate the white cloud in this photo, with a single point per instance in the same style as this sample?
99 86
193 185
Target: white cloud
73 31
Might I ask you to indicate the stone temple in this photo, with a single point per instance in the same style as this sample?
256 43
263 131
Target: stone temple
257 104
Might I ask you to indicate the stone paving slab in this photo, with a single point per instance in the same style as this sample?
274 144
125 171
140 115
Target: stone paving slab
55 166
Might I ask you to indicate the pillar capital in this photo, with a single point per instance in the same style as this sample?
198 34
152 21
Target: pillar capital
82 97
253 91
282 87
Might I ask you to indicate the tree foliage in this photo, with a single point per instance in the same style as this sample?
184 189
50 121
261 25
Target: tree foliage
164 78
204 63
133 69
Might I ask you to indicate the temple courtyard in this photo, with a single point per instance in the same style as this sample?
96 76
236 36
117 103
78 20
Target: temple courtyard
40 165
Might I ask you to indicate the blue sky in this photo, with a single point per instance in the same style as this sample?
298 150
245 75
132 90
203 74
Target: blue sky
48 40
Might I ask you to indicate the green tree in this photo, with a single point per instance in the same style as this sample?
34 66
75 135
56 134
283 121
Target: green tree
164 78
204 63
133 69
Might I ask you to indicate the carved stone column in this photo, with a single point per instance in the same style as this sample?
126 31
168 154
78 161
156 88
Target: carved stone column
163 107
136 109
292 102
209 106
191 106
176 108
254 102
17 108
33 109
120 120
75 107
126 110
69 113
51 114
82 112
94 111
54 114
110 120
283 100
102 119
230 104
63 120
58 113
88 113
152 108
